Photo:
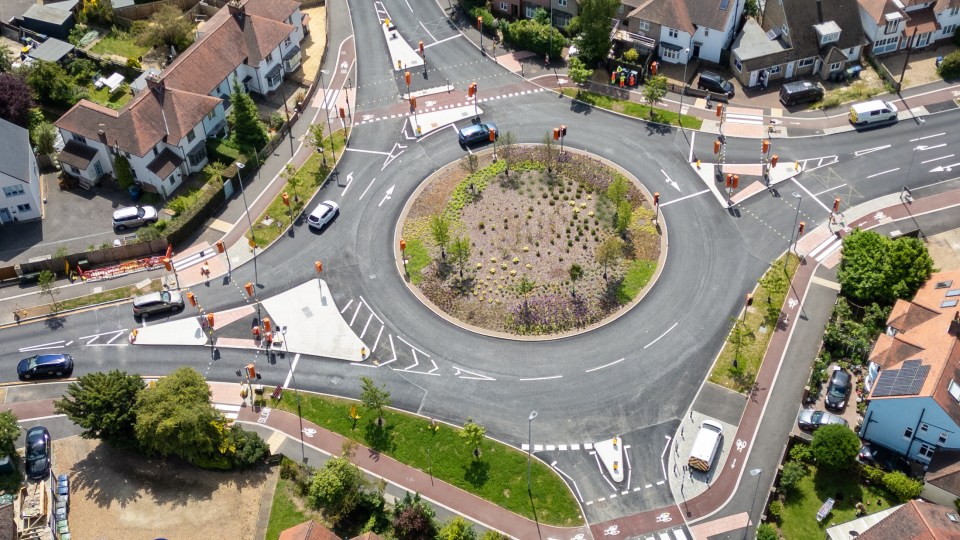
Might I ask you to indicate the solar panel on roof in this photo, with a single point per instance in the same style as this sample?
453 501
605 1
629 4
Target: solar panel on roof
906 381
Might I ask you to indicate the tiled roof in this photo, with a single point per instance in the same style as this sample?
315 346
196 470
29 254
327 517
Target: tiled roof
889 351
876 9
921 21
165 163
277 10
945 4
16 144
227 41
368 536
802 15
916 520
669 13
944 471
308 530
77 155
707 13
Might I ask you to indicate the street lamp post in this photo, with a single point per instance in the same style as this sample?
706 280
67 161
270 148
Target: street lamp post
530 446
550 46
915 148
756 491
296 391
333 154
794 231
253 235
683 85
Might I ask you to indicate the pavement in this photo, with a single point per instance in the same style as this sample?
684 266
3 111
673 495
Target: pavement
820 248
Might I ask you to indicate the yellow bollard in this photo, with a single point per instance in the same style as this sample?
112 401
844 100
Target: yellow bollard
363 352
698 164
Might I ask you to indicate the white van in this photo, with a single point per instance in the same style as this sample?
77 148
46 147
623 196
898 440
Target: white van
873 112
706 445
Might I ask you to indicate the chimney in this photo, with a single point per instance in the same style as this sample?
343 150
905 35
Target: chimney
235 7
955 325
154 82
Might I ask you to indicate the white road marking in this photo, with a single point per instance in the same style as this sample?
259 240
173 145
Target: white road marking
668 203
425 30
605 365
386 196
812 196
366 190
884 172
859 153
293 366
442 40
937 159
543 378
661 335
349 181
927 137
51 345
662 464
829 190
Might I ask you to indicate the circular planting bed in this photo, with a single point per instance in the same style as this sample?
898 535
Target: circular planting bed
533 243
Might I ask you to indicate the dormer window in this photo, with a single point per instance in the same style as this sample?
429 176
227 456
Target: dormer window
829 32
893 22
954 389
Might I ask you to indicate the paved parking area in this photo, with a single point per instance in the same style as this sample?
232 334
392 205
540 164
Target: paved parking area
73 220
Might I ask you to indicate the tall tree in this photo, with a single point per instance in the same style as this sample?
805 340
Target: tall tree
100 404
6 60
44 138
653 91
336 489
413 519
618 189
249 132
624 215
175 418
440 229
460 249
46 282
16 99
835 446
874 268
52 84
166 28
595 18
578 72
473 435
9 433
374 398
609 252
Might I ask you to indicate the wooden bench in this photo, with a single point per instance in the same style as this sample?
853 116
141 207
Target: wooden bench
277 393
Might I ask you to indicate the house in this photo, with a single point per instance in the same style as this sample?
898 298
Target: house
916 520
54 20
562 11
681 30
162 131
913 376
19 175
892 25
798 38
941 483
308 530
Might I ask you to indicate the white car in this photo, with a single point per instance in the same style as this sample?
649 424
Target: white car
323 214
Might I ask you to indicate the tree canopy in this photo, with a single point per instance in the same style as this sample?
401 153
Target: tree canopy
100 404
877 269
413 519
9 432
457 529
16 99
374 398
53 85
336 488
835 446
473 435
248 131
594 21
166 27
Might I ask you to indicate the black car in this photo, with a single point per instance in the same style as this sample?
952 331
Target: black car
838 390
38 453
715 83
45 365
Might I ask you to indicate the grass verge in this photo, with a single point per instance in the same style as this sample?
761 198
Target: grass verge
499 476
631 108
284 512
120 44
638 275
799 518
97 298
309 178
754 345
418 258
857 91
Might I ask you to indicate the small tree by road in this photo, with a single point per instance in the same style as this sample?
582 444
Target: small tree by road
609 252
576 272
336 489
46 284
473 435
9 433
374 398
100 404
654 90
579 73
461 249
835 446
440 229
508 150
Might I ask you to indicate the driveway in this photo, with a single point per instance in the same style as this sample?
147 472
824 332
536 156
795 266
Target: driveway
74 220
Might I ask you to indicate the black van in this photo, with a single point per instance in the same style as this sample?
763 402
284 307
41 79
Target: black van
800 92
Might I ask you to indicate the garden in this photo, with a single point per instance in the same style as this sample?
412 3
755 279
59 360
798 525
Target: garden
534 242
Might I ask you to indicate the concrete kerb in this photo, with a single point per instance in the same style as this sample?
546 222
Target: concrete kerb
402 271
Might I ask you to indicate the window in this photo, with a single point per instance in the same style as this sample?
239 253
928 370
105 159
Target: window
942 439
78 138
830 38
954 390
805 62
908 433
948 30
99 168
191 136
737 64
531 10
673 33
212 114
503 6
706 32
286 42
835 66
924 428
892 25
954 11
774 70
13 191
643 25
23 207
561 2
156 152
926 451
670 54
784 30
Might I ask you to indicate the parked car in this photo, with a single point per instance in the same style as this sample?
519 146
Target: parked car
715 83
476 133
157 302
811 419
323 214
878 456
838 390
134 216
38 453
794 93
45 365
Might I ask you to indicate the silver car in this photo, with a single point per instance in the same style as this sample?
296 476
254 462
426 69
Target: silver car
158 302
134 216
811 419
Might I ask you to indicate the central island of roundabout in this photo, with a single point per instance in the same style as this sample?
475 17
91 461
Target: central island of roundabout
530 242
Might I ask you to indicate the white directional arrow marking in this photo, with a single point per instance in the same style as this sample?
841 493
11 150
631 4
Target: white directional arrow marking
349 181
387 196
391 156
946 168
859 153
669 181
923 147
475 376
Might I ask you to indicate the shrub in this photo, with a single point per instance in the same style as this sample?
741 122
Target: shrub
133 63
901 486
276 121
950 67
872 475
793 473
775 511
766 531
631 56
290 470
250 448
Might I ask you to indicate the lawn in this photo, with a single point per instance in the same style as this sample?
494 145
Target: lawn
109 295
284 513
632 108
120 44
800 509
499 476
309 179
754 346
114 100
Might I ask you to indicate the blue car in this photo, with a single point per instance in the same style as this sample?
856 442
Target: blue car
476 133
38 453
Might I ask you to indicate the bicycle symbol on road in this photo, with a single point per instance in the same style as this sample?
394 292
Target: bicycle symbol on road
580 536
792 302
309 432
612 530
664 518
741 444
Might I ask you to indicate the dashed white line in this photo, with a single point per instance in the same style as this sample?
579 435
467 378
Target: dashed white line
937 159
661 335
671 201
542 378
884 172
605 365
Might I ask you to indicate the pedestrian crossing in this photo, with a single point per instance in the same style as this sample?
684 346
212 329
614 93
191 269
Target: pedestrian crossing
826 248
231 412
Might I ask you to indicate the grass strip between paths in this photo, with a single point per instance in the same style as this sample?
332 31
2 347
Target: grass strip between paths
499 475
632 108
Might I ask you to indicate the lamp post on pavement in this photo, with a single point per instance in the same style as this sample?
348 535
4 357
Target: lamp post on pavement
756 491
333 155
253 234
794 231
683 85
296 391
530 446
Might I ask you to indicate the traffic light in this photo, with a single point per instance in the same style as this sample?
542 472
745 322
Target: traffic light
210 320
413 102
343 113
493 135
252 243
251 371
773 160
192 299
221 247
736 181
403 245
318 266
716 146
286 199
729 180
749 299
719 110
167 265
803 225
556 134
656 198
765 146
266 324
472 90
563 130
480 24
421 48
406 77
249 288
836 205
